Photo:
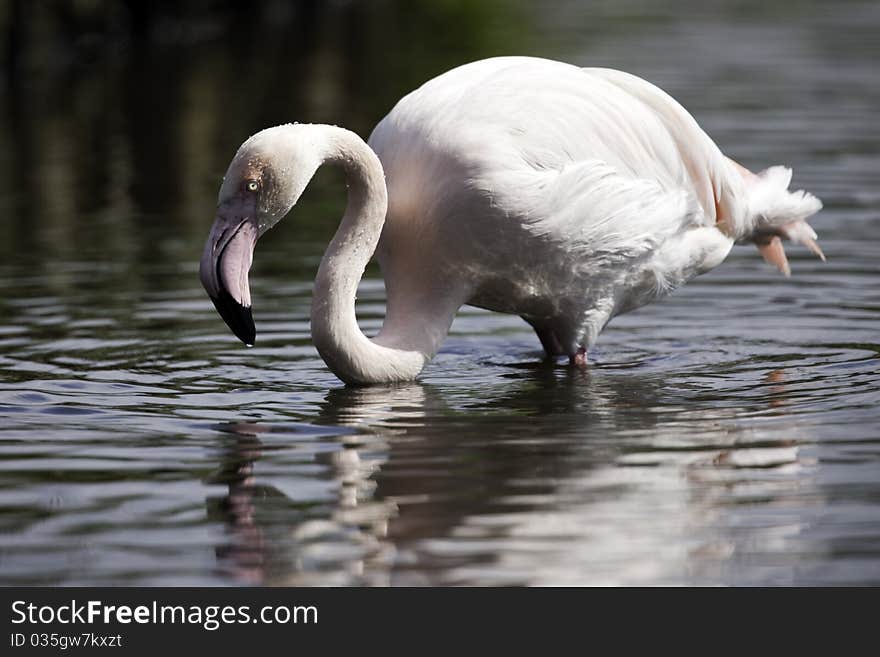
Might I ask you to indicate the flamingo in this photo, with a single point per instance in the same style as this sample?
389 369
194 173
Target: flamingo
561 194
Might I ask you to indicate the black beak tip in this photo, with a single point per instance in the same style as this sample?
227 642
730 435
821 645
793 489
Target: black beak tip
238 318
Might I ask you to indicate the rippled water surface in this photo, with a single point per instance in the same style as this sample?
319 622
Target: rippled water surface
727 435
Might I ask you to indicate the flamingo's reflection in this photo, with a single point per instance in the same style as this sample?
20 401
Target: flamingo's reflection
244 553
423 468
275 537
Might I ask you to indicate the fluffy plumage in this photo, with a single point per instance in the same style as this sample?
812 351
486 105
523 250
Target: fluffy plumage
564 195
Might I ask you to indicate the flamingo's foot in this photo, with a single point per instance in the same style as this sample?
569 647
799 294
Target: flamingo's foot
579 358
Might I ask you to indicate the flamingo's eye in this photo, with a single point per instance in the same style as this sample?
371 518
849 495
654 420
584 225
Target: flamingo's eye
252 185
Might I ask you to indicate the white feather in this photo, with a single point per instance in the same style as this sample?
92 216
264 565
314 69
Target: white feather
527 186
772 205
561 194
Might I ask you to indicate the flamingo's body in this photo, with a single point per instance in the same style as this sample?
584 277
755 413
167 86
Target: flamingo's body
526 186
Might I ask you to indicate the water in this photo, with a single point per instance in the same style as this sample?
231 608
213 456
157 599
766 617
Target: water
728 435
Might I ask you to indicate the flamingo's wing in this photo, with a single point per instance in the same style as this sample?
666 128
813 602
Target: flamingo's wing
748 207
596 158
586 155
592 210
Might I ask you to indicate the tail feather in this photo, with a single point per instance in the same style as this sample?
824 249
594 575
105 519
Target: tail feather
778 213
773 205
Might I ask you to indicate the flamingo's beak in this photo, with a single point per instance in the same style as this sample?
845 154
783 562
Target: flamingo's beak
226 261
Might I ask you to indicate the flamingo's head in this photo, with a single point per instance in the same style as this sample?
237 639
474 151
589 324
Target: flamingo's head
264 180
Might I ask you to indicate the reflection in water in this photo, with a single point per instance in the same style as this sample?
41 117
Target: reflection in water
777 388
634 493
274 538
244 555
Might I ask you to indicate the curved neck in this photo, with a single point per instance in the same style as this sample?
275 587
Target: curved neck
352 356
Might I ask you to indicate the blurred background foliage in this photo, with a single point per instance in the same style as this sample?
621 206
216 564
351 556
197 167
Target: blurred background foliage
118 118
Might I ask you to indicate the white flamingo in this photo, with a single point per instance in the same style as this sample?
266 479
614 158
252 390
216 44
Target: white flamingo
563 195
